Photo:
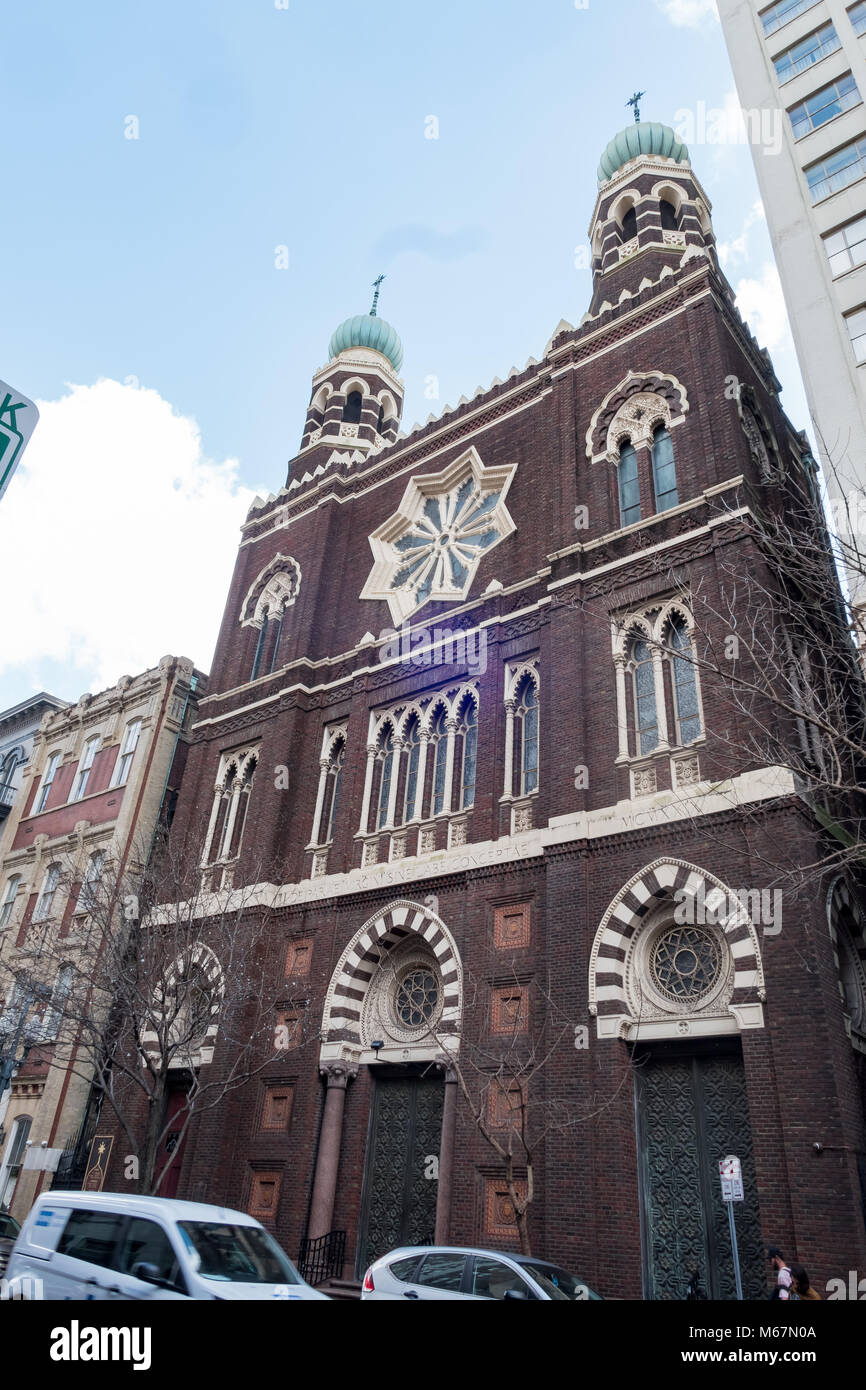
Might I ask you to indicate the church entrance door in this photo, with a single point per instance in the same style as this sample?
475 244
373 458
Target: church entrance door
398 1206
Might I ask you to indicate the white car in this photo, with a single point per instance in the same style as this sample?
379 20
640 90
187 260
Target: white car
451 1271
112 1247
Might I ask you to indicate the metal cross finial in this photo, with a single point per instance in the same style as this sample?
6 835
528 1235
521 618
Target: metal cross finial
376 284
634 101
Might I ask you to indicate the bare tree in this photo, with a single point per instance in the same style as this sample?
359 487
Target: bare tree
151 977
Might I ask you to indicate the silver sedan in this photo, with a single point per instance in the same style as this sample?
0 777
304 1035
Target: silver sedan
443 1271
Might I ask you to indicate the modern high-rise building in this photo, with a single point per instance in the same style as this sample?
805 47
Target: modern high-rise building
807 61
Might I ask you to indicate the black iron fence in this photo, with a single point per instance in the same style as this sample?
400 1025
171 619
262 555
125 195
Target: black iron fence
322 1258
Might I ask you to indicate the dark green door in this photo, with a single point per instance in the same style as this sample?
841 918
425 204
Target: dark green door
400 1181
692 1111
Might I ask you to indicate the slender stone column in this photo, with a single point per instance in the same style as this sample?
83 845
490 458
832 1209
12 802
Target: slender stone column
418 809
225 847
661 712
451 726
446 1154
368 787
621 708
217 800
337 1075
509 746
316 836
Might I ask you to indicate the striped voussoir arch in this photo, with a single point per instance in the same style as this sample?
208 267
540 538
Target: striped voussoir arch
634 905
372 944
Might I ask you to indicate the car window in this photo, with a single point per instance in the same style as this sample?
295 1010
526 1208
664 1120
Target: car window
146 1242
441 1272
236 1254
405 1268
558 1284
493 1279
91 1236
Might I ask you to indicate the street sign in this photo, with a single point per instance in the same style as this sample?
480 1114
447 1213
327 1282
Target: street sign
731 1174
18 417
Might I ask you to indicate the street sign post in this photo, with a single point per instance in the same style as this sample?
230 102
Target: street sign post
731 1175
18 417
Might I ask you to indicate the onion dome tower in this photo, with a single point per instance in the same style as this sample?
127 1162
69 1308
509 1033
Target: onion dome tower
357 398
650 212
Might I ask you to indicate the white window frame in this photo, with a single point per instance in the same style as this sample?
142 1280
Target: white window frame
47 782
131 736
8 904
45 901
84 768
91 876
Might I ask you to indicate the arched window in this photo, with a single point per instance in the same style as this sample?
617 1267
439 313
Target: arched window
8 768
412 746
13 1159
332 792
224 820
385 760
380 420
685 687
9 897
467 749
526 736
629 485
45 901
278 636
670 221
88 896
84 768
352 410
233 848
643 682
439 746
664 470
260 647
629 225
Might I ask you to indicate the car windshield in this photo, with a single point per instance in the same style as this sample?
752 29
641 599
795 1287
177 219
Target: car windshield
558 1284
236 1254
8 1225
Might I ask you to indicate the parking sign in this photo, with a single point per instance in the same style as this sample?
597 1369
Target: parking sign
18 417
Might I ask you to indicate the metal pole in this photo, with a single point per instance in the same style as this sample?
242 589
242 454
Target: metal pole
734 1251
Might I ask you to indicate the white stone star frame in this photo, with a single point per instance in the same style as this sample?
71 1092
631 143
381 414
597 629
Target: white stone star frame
431 547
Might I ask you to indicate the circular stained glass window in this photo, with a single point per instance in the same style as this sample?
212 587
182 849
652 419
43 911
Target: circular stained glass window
685 963
417 997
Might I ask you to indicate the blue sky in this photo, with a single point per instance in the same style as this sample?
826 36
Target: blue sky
172 359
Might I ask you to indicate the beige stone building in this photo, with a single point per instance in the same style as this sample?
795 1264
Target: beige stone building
101 775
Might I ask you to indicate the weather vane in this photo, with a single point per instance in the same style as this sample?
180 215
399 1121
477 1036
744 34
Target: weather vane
376 284
633 101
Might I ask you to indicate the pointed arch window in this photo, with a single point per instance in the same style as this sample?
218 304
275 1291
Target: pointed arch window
221 837
278 636
664 470
412 747
467 751
685 687
439 743
234 846
629 485
644 691
352 411
526 736
333 782
385 762
259 652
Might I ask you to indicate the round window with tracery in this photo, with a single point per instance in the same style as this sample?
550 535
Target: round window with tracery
685 964
416 999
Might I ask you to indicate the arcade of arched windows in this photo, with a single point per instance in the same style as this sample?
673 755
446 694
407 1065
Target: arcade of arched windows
658 696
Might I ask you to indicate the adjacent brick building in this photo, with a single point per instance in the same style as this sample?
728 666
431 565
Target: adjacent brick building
100 774
443 743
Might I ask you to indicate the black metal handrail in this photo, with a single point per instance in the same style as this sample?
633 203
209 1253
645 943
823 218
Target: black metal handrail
322 1258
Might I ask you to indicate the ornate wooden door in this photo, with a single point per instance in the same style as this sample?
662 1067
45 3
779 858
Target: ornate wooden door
692 1111
400 1181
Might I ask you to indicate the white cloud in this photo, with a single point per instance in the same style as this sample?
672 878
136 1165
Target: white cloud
738 248
117 536
689 14
763 307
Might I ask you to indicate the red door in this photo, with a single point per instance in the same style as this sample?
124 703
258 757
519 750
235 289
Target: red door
172 1144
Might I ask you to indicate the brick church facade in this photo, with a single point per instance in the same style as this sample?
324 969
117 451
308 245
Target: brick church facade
448 742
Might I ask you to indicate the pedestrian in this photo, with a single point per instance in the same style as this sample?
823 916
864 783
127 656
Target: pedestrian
801 1283
784 1278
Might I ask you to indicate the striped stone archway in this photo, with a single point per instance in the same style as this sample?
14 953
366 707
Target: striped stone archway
664 882
364 956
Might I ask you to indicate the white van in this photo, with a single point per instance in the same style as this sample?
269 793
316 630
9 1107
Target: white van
112 1247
